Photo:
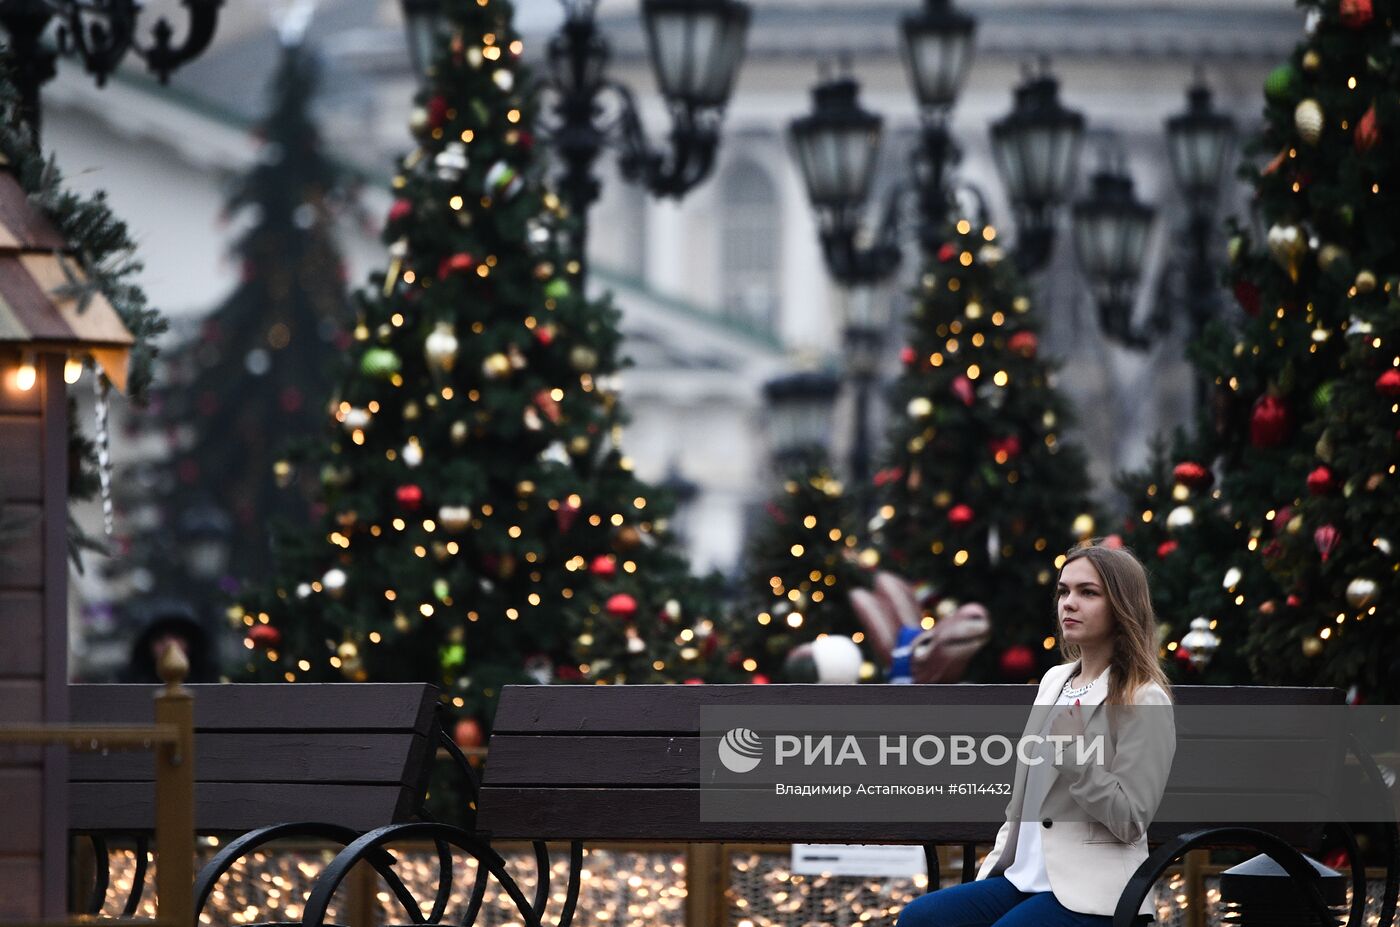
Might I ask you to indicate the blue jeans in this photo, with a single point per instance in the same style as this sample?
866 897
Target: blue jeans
994 901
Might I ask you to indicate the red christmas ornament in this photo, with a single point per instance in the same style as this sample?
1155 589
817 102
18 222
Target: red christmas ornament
759 679
1192 475
1356 14
603 566
1277 161
947 252
621 605
527 139
1293 601
1368 131
467 733
410 496
1321 482
437 111
458 263
888 475
907 355
1165 549
695 681
1183 656
1247 295
1388 383
962 388
1270 421
264 636
1326 539
1017 662
1005 449
1112 542
1282 517
401 210
545 335
1024 343
960 515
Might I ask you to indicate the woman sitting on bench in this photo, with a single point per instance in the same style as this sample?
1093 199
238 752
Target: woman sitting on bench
1076 827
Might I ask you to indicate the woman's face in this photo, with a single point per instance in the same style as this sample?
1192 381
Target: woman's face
1085 618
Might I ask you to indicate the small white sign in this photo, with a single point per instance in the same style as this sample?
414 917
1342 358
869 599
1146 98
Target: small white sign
858 859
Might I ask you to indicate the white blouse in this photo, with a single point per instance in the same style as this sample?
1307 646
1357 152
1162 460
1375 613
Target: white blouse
1027 870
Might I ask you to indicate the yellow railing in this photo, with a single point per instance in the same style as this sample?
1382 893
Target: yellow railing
172 739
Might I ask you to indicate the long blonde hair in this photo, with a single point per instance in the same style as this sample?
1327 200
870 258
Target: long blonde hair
1134 660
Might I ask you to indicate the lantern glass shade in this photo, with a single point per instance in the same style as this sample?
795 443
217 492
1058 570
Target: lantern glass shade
1199 143
696 47
938 52
1111 229
1036 145
836 146
422 23
800 407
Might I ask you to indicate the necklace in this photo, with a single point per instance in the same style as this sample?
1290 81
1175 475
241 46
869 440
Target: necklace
1073 692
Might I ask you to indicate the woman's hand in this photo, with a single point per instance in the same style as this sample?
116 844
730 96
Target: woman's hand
1069 720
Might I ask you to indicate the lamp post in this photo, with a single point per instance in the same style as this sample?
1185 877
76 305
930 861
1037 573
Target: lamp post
1111 227
101 34
1036 150
695 47
1199 142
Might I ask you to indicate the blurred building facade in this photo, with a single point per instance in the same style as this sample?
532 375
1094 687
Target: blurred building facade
726 288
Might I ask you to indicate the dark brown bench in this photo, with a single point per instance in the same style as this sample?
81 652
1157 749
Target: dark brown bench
273 761
623 763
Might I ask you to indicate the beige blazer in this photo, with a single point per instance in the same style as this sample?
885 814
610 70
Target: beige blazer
1094 817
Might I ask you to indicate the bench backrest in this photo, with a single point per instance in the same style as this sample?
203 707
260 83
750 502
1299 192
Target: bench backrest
343 753
623 762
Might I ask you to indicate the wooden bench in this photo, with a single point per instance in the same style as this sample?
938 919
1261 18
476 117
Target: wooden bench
273 761
601 764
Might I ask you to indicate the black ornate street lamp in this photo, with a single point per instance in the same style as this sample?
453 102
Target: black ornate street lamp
695 47
837 145
799 421
101 34
1036 149
1111 227
938 47
1199 144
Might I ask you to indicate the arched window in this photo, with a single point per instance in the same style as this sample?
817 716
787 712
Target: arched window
749 245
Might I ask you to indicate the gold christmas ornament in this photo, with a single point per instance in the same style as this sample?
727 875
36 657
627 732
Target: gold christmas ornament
1287 245
578 445
583 358
1311 61
440 347
1312 646
1180 517
458 432
454 518
1362 592
1083 526
1308 120
1329 256
1365 282
495 366
920 407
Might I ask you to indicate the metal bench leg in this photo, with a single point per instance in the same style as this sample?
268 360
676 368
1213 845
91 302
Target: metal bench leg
566 916
969 862
138 879
102 874
935 869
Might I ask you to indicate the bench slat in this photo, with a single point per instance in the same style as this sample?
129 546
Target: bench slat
270 706
289 757
674 761
221 806
676 709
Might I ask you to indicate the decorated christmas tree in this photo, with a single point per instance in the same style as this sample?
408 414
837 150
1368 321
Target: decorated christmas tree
801 564
1309 386
252 378
982 494
481 525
